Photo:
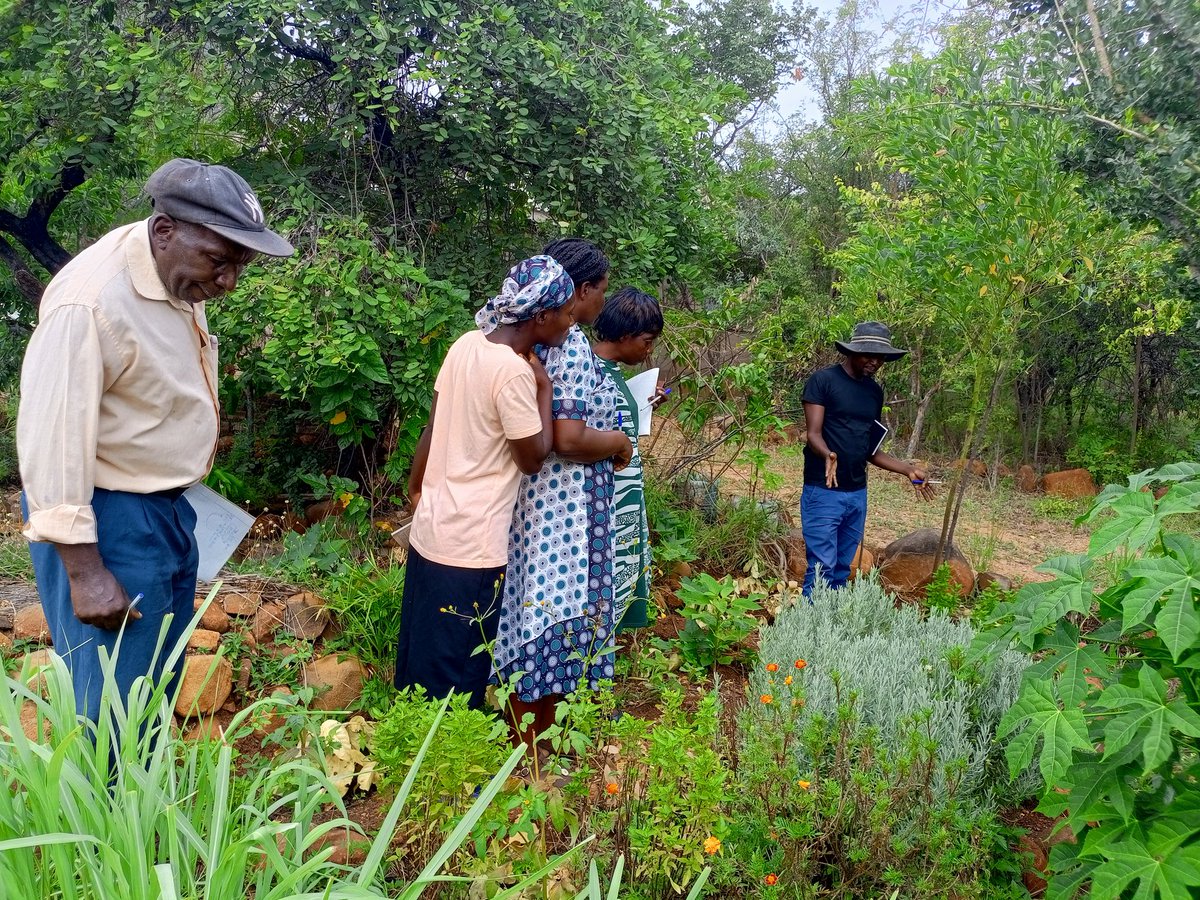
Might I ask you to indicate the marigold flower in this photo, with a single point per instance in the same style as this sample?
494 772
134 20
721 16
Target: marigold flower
772 667
771 880
766 698
788 680
803 785
612 787
712 845
800 664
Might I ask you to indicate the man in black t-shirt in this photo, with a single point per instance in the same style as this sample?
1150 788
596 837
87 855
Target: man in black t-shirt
842 409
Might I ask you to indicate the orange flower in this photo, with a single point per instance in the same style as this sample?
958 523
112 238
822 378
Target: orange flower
800 664
803 785
788 680
766 698
612 787
712 845
772 667
771 880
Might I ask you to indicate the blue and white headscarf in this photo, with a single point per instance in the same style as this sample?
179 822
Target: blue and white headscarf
533 285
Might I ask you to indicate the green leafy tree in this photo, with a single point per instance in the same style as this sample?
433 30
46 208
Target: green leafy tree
977 231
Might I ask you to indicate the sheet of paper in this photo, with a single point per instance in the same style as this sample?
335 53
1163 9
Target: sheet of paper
642 386
879 431
220 527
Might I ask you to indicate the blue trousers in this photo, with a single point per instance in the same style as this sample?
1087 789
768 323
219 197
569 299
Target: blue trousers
147 542
832 523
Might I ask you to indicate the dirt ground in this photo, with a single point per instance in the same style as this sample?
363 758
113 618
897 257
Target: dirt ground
1000 529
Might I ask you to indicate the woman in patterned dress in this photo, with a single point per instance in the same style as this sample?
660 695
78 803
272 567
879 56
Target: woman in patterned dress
625 334
556 617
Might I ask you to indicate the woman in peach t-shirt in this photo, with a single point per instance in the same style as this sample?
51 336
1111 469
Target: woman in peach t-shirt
490 422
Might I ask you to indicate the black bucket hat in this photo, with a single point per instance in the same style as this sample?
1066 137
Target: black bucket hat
217 198
871 339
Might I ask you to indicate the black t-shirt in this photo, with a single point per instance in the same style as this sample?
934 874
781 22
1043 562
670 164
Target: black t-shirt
851 409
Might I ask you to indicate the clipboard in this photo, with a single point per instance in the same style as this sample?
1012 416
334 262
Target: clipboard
877 434
642 386
220 527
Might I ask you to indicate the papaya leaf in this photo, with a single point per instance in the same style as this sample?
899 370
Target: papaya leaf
1047 602
1072 663
1037 714
1160 866
1147 716
1134 525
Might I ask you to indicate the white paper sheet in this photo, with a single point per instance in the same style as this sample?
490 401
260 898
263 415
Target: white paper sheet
642 386
220 527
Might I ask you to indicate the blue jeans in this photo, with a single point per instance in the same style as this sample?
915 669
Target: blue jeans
146 541
832 523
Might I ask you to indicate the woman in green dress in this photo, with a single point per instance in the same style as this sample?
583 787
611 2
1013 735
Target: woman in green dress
625 333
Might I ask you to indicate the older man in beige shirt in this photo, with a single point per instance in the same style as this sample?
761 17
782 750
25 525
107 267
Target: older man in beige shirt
119 415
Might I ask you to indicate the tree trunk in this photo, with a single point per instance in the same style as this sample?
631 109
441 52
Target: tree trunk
1137 396
919 422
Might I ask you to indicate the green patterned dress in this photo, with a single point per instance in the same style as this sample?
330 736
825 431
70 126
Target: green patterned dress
631 554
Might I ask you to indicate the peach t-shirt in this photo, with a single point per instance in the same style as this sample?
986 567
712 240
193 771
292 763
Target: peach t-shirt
486 397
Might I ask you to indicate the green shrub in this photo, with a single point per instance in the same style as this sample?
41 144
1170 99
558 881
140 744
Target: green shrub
671 783
9 471
365 601
866 754
717 619
137 812
1110 712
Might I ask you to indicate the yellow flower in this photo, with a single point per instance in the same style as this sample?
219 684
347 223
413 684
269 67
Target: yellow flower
788 680
772 667
612 788
766 698
803 785
338 417
712 845
771 880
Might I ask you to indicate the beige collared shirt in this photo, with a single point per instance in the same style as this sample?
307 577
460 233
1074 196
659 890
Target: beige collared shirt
118 388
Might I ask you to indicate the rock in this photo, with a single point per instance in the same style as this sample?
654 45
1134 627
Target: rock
797 562
29 723
204 728
214 618
1070 483
31 662
203 639
241 603
323 510
1027 479
5 641
269 619
337 682
1003 471
8 611
978 468
29 624
306 616
864 562
1161 492
906 564
241 680
681 568
205 686
349 847
267 527
1035 868
984 580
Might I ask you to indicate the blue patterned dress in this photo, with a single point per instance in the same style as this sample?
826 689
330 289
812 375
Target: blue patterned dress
556 618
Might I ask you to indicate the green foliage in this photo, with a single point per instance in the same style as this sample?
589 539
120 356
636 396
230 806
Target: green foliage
355 333
1110 713
672 783
364 600
833 810
136 811
941 593
718 618
9 471
866 759
472 746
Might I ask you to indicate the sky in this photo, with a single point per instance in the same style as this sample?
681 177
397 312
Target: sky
911 15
